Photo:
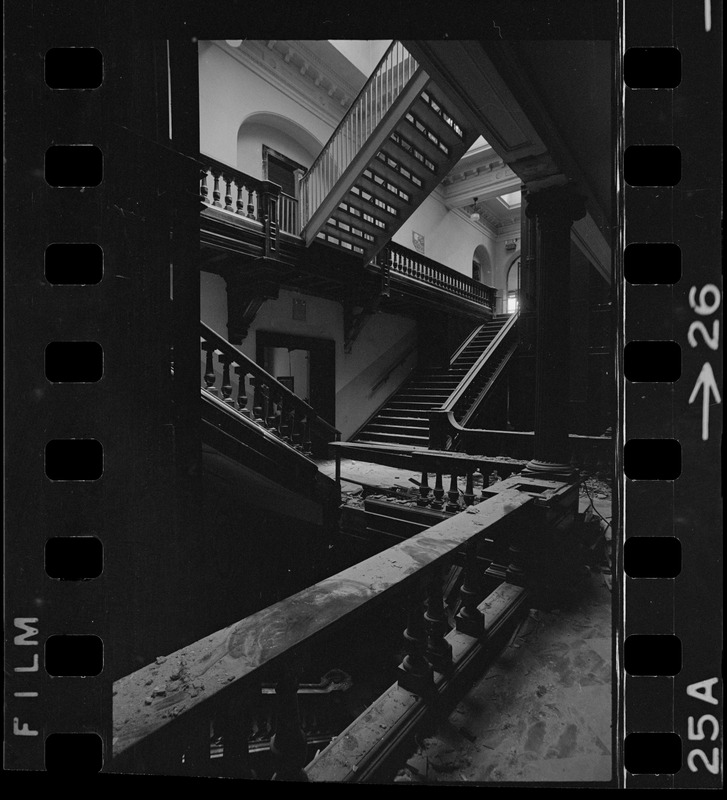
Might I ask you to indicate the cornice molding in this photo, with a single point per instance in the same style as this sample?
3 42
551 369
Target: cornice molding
287 78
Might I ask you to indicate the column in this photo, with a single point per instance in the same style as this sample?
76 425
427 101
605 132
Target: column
553 211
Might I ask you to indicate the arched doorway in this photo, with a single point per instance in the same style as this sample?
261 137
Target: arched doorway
481 266
274 148
512 290
280 135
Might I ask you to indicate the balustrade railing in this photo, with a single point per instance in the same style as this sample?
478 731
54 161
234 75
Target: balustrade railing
393 72
231 190
248 389
167 715
288 216
403 261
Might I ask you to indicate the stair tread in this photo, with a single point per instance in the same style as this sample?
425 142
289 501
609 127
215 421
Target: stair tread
435 123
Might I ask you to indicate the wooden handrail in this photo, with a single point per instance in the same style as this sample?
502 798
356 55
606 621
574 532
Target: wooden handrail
462 347
213 667
246 366
454 399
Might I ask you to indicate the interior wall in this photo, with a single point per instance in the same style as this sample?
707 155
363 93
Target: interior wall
229 92
253 135
382 342
213 302
364 54
449 239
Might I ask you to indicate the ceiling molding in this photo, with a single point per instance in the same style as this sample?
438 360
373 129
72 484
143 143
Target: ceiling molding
485 185
310 90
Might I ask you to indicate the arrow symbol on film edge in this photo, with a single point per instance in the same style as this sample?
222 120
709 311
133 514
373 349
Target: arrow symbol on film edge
707 382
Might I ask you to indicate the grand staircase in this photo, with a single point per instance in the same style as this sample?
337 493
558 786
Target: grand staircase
396 143
404 417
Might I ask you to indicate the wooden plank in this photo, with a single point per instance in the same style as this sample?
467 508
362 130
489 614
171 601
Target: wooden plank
199 672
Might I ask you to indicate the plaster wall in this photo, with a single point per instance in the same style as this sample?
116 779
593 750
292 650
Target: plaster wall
382 342
449 239
251 138
231 92
364 54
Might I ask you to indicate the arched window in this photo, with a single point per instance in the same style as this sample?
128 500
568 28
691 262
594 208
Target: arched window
513 287
481 266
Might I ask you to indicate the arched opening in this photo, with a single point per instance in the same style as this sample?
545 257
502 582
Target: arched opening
512 290
262 136
481 266
274 148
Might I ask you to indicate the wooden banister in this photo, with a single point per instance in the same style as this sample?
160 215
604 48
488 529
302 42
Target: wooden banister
237 192
210 670
505 334
282 411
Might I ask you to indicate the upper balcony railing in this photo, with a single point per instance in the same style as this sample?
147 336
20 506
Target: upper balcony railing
231 190
403 261
392 73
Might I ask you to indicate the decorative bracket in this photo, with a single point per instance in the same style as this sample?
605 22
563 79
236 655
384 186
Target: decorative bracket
244 300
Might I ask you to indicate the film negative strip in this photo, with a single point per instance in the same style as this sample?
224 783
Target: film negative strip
118 541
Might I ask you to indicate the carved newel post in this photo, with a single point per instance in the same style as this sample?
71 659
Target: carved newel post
553 211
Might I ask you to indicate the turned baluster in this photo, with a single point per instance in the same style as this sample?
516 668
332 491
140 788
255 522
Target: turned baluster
307 444
515 569
216 190
453 494
438 502
275 416
226 387
494 477
423 498
228 194
284 425
470 619
478 479
265 403
288 745
296 429
235 723
250 203
415 672
469 492
203 189
239 202
209 367
241 391
438 650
